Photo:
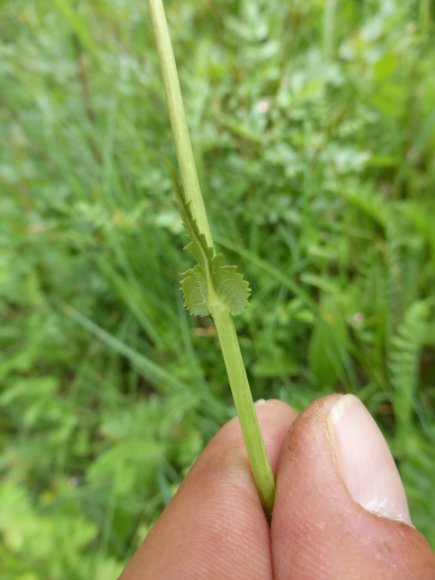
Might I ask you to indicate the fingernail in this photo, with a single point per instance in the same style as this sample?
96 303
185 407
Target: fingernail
365 462
259 402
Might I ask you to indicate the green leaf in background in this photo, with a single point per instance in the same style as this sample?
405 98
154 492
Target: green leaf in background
404 360
328 345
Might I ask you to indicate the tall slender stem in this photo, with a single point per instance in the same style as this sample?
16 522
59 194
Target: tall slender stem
177 118
226 332
242 396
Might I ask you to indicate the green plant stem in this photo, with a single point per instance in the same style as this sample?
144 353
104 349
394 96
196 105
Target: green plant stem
225 329
242 396
177 117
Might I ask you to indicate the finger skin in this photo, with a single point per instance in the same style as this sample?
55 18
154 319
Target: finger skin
215 527
319 532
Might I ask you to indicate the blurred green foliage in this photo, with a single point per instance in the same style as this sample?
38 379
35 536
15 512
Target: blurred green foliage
313 125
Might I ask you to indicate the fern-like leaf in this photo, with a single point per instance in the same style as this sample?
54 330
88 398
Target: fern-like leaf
404 362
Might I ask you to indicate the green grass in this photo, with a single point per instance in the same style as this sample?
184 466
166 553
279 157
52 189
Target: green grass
314 132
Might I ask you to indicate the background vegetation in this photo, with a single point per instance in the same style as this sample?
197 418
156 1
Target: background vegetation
313 124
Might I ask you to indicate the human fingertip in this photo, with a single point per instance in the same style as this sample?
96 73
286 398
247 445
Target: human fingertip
364 460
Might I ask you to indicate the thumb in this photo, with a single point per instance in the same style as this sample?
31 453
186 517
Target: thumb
340 507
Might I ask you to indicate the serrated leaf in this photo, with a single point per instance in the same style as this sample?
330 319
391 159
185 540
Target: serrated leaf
231 289
194 288
198 245
202 253
230 286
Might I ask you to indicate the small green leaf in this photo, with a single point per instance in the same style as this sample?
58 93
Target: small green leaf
231 289
230 286
328 348
194 288
197 246
202 254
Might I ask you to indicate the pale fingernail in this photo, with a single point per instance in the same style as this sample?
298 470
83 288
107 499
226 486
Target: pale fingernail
259 402
365 462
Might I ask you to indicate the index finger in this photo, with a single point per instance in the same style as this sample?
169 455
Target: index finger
215 526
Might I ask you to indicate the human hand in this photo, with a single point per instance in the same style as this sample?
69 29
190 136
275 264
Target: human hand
340 509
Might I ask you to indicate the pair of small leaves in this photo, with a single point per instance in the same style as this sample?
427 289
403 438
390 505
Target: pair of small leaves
210 284
231 291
